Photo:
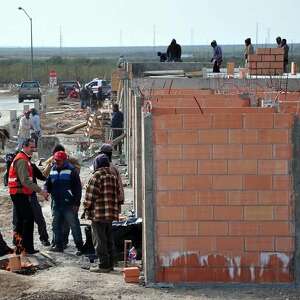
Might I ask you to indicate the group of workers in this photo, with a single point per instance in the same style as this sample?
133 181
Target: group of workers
173 53
102 203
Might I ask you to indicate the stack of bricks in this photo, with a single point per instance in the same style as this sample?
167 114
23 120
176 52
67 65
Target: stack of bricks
266 61
223 195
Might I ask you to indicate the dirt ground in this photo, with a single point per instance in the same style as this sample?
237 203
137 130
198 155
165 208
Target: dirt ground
67 280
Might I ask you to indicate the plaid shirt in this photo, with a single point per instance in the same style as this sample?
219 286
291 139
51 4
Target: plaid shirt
102 197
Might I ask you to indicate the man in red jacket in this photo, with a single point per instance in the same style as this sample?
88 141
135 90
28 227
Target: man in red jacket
21 187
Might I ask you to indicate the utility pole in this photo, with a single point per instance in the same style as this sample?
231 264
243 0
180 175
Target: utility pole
60 40
256 35
154 39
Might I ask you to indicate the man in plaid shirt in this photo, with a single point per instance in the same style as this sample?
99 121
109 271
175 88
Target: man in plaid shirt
102 206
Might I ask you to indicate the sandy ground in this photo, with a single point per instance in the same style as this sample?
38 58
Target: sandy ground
67 280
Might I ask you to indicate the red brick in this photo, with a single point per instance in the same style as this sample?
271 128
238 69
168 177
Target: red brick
183 137
212 198
273 136
283 151
277 51
197 151
160 137
263 51
259 244
162 167
274 197
270 167
276 64
282 213
169 213
213 136
230 244
169 183
197 121
168 152
244 228
284 244
199 182
174 275
162 228
198 213
275 229
268 58
164 122
258 120
257 151
213 228
254 57
168 244
212 167
282 182
242 198
242 136
283 120
162 198
242 166
279 57
182 198
201 244
183 228
258 213
262 182
227 151
227 121
228 213
197 275
227 182
263 65
182 167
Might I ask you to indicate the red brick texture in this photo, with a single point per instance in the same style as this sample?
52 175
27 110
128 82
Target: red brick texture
223 196
266 61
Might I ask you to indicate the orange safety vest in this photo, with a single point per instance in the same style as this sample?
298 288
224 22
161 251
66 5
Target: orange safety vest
14 184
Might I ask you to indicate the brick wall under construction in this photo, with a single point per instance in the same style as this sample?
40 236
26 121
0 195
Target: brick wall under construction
223 191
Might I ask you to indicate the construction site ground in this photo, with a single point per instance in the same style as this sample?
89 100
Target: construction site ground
67 280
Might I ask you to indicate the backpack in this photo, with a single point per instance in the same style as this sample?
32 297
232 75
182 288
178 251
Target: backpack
9 157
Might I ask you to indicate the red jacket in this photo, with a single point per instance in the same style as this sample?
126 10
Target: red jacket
14 185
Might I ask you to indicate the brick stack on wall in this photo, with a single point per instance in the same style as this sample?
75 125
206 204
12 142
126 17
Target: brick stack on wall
266 61
223 195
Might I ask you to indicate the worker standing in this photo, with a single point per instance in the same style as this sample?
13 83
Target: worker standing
174 52
35 131
21 187
217 57
64 185
286 55
24 129
248 50
117 121
102 206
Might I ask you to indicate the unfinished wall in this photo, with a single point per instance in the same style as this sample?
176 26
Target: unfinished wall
223 195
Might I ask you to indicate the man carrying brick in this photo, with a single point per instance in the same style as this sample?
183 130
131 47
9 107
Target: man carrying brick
102 206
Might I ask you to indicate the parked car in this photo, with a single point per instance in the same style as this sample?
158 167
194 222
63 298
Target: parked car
68 88
99 84
29 90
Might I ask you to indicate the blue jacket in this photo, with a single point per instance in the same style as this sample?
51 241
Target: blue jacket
64 185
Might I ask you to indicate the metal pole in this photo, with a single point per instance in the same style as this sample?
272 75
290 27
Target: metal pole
31 48
31 43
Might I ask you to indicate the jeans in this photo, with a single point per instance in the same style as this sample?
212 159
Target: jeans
103 242
24 221
38 218
83 103
71 217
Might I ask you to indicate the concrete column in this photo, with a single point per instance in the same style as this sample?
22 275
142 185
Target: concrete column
44 103
37 104
26 107
148 201
12 123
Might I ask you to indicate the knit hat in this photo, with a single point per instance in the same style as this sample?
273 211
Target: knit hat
101 161
60 155
106 148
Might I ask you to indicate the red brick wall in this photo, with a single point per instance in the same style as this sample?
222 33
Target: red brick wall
224 207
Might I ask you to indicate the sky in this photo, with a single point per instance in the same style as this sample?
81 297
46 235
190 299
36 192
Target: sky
99 23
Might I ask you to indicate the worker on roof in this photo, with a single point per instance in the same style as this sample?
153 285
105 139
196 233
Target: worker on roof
174 51
248 50
217 57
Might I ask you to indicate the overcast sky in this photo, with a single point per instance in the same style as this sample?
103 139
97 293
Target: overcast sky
97 23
